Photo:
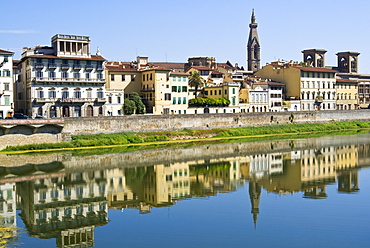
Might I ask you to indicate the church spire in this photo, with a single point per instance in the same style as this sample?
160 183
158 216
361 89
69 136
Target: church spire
253 46
253 18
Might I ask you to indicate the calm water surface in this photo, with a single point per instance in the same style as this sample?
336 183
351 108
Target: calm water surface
294 193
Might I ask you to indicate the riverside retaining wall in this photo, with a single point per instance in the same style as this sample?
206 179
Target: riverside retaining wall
150 123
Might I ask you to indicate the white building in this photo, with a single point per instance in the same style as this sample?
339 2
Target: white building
6 83
63 80
274 94
258 99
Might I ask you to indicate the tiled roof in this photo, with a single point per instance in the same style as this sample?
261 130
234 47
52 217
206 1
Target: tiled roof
120 66
202 68
269 83
6 52
168 65
314 69
179 73
49 56
343 80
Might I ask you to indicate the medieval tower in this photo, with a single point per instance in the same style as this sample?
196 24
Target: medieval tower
253 46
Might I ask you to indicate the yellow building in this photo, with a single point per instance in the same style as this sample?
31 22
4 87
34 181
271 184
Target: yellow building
346 94
226 90
122 79
165 91
313 86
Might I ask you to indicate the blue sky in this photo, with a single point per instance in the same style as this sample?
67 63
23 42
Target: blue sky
175 30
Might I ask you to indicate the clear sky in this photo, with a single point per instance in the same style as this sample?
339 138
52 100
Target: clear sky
175 30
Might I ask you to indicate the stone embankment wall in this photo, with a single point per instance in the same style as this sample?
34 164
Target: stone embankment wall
22 134
191 155
148 123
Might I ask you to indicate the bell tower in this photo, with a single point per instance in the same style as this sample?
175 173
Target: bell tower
253 46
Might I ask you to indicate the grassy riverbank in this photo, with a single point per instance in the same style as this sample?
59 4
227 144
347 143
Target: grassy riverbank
192 135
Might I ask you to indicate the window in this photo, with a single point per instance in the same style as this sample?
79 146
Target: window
87 75
118 99
89 93
184 89
6 86
174 100
51 74
40 93
167 97
39 74
184 79
112 77
76 75
100 94
233 90
65 95
178 88
184 100
174 89
179 100
174 79
132 77
52 94
77 94
64 74
123 78
99 76
109 99
7 100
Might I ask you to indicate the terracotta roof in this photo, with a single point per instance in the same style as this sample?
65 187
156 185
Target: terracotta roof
343 80
179 73
6 52
202 68
120 66
49 56
314 69
268 83
167 65
216 72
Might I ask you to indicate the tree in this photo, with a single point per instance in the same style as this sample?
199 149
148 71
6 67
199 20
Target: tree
129 107
196 81
140 107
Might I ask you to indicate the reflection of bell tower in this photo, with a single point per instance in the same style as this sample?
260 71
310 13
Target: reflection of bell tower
348 182
348 62
253 46
314 57
254 195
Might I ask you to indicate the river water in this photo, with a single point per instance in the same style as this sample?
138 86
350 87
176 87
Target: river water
286 193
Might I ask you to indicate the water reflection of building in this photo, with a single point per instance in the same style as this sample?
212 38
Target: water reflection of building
8 218
164 184
307 170
66 208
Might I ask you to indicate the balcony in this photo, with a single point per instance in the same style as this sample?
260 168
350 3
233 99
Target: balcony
81 80
77 67
78 100
45 100
89 67
52 65
147 89
39 65
319 99
99 67
64 66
